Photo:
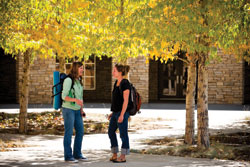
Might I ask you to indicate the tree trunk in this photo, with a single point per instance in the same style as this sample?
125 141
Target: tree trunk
202 107
24 92
190 103
62 65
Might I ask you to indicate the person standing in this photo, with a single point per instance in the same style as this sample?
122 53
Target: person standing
119 117
72 95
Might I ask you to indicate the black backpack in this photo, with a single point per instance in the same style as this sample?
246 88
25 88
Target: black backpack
134 103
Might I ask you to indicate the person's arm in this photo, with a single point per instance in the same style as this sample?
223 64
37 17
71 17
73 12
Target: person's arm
109 116
125 105
77 101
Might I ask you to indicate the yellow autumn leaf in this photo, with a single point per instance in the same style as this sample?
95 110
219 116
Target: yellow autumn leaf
164 44
84 5
201 20
174 12
164 55
166 10
151 52
186 18
171 57
152 4
156 53
151 56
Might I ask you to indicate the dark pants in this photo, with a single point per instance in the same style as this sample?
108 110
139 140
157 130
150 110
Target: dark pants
123 128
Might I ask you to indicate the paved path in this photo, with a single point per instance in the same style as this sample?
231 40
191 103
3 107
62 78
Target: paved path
47 150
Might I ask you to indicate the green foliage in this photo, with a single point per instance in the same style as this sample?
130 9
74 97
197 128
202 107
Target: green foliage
20 25
190 25
124 28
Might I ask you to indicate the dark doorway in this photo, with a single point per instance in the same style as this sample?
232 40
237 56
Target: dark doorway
247 84
172 80
7 78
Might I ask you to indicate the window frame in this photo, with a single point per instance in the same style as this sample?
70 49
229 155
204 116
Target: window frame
84 76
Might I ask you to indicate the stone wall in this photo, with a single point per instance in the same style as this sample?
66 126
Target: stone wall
102 93
41 80
225 80
139 76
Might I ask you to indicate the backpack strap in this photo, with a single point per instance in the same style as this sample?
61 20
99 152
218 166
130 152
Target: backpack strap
120 88
72 85
73 82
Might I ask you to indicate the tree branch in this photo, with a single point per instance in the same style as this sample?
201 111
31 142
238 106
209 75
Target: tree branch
184 60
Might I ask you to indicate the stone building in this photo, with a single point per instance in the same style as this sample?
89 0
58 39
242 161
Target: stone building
229 80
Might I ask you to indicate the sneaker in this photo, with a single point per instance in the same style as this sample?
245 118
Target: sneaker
71 160
82 159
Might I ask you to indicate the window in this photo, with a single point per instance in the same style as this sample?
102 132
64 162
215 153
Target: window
89 74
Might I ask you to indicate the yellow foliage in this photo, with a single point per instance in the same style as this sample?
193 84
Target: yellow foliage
156 53
173 12
84 5
151 56
186 18
176 48
244 46
167 10
201 20
164 44
152 3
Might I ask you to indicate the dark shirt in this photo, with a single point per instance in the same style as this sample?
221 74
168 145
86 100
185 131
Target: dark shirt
117 95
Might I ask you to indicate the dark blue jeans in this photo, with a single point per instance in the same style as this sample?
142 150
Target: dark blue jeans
72 119
123 128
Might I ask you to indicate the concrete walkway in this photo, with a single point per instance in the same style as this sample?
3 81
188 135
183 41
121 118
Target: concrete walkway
47 150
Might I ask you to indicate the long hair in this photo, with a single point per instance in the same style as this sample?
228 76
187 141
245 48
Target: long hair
74 71
122 68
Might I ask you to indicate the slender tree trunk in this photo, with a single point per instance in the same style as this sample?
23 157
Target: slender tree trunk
190 103
202 107
61 64
24 93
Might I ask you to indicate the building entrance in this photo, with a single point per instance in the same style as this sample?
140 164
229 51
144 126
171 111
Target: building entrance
7 78
172 80
247 84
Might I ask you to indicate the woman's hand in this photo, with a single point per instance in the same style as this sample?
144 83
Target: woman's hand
83 114
120 119
79 102
109 116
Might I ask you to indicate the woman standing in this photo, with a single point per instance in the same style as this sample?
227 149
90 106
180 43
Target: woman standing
72 96
119 117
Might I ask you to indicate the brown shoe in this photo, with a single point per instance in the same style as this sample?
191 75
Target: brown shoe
113 158
119 160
